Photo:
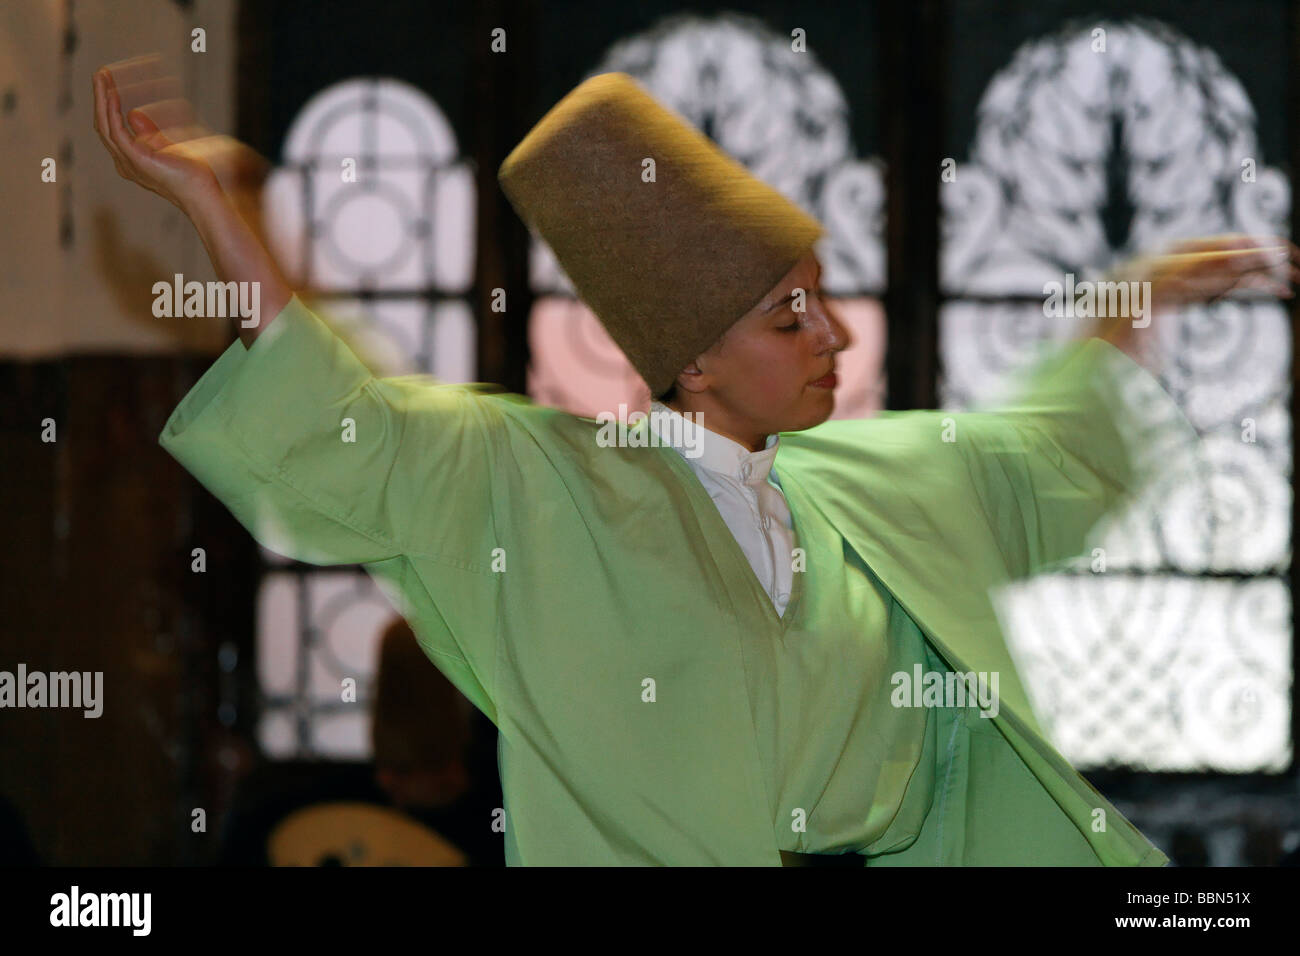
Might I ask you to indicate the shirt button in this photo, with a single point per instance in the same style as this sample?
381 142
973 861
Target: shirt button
744 470
767 521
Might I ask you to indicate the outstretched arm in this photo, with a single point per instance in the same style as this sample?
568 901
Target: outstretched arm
1069 448
203 175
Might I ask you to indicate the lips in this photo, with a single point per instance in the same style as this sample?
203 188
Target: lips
826 381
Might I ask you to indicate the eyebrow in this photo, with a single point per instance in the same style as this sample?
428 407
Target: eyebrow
776 305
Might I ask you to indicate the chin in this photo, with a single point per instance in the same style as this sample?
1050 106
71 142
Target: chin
810 419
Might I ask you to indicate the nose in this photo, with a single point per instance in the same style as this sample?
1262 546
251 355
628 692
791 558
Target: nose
835 337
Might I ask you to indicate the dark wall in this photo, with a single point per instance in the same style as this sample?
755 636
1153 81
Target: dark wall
96 577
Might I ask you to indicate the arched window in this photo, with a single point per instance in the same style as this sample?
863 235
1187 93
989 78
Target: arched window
372 212
1177 656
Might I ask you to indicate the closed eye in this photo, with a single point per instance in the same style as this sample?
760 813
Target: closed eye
794 328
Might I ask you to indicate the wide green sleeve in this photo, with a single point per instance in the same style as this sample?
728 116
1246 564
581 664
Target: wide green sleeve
1086 431
325 463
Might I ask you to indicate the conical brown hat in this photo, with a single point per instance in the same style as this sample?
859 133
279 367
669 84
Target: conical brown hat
668 256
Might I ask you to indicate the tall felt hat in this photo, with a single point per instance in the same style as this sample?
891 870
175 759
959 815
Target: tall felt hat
668 255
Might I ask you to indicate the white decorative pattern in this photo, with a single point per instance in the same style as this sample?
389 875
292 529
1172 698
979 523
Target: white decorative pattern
1155 670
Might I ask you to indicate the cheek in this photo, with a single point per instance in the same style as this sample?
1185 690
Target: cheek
782 363
768 371
774 377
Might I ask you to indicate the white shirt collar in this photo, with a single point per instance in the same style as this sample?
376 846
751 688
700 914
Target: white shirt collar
718 453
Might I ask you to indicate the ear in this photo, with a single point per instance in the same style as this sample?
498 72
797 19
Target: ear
689 378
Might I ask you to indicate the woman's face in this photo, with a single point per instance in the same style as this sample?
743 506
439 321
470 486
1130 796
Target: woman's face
762 376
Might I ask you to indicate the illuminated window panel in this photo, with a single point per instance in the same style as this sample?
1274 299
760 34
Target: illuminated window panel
1077 161
331 623
372 194
1157 672
374 211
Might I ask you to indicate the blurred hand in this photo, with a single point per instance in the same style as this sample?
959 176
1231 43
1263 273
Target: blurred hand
1203 269
161 146
214 180
1207 268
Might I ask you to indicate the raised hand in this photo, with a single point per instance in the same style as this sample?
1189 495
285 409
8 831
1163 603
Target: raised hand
1203 269
215 180
1207 268
161 145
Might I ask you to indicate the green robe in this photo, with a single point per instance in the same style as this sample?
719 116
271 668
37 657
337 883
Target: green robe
592 602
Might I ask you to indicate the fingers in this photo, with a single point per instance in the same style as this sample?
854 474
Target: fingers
1293 260
1208 268
132 152
1266 283
1227 244
147 132
143 83
157 136
169 135
1224 266
1262 282
166 115
153 90
101 111
1273 266
142 124
137 69
1272 253
101 81
1220 283
1226 240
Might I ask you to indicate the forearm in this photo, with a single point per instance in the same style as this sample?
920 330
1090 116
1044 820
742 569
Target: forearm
1126 318
238 255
